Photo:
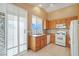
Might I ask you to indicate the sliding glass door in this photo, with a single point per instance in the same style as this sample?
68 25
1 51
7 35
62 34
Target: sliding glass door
22 31
16 30
22 41
12 35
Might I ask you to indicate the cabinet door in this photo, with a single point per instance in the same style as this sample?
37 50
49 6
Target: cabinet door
47 24
38 43
57 21
29 41
63 21
67 40
52 38
42 42
68 20
45 40
54 24
51 24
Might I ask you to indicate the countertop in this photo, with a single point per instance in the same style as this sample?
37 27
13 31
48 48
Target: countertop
38 35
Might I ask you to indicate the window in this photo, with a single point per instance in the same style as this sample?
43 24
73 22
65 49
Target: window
36 25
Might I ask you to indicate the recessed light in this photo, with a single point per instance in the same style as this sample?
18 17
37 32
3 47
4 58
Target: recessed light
40 5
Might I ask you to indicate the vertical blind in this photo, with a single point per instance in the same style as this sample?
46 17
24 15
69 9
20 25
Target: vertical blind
16 29
2 30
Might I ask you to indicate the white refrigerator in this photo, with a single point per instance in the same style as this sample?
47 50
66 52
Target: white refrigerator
74 37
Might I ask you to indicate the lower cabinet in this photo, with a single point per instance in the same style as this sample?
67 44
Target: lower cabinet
42 42
67 40
52 38
45 41
36 43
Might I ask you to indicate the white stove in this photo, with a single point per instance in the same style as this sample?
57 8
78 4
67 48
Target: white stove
60 36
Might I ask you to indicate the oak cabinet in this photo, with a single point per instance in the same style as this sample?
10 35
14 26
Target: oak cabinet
67 40
47 24
42 42
36 43
52 38
68 20
52 24
45 40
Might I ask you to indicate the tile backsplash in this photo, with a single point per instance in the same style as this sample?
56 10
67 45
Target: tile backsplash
49 31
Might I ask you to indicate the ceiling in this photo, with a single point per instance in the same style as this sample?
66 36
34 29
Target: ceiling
49 7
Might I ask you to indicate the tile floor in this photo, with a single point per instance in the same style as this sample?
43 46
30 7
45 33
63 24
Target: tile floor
49 50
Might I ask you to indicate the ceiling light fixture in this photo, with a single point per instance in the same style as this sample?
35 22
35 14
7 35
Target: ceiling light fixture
40 5
50 5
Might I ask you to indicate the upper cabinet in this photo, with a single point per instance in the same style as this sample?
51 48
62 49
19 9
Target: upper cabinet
61 21
46 24
51 24
69 19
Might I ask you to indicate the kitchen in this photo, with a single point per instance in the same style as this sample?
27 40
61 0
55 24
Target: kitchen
45 30
61 16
